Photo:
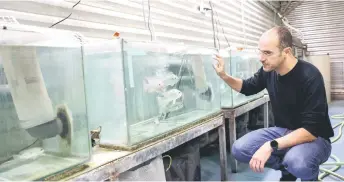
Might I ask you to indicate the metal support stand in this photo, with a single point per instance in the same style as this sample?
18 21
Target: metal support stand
232 113
223 151
232 138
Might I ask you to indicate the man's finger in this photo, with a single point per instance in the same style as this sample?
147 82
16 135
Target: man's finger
217 59
215 66
256 167
261 166
253 165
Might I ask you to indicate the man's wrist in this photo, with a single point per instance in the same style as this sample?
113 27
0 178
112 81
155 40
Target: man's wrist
268 145
223 75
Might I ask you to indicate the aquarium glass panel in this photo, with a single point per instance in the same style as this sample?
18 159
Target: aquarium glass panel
148 89
168 88
43 120
240 64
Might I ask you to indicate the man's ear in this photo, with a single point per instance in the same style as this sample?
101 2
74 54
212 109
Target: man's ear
288 50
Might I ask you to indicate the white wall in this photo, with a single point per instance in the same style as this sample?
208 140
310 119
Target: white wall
174 20
322 25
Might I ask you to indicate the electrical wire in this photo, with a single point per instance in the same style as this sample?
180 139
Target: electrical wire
217 35
218 20
67 16
149 20
337 162
217 31
212 23
147 25
223 31
144 13
28 146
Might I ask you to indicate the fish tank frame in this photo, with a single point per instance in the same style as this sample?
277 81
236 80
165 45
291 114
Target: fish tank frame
44 103
136 101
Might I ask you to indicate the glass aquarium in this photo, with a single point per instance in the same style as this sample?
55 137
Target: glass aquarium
139 91
43 120
240 64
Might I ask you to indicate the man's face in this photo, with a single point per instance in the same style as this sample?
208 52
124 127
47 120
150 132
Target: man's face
270 54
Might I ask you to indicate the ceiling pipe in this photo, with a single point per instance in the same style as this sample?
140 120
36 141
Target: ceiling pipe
297 42
270 6
286 8
291 9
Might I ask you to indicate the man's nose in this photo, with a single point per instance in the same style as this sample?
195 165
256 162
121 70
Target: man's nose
262 58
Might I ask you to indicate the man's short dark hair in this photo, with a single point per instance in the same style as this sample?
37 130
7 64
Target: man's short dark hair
284 36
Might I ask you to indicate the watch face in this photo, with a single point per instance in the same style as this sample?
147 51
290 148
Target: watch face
273 144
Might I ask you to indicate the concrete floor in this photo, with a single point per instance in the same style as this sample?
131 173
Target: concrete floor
211 170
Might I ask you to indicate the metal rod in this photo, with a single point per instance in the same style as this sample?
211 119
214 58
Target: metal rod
223 151
232 139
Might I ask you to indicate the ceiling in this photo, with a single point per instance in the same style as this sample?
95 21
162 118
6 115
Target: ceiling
285 7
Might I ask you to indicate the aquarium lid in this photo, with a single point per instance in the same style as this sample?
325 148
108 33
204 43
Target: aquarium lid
24 35
157 47
167 48
102 46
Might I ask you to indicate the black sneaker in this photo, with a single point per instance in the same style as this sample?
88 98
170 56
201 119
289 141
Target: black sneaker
287 177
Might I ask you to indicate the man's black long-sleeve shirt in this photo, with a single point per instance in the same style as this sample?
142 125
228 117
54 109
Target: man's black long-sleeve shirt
298 99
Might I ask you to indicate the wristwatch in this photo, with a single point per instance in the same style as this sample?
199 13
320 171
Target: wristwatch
274 145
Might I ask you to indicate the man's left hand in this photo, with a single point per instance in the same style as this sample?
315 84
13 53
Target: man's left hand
259 158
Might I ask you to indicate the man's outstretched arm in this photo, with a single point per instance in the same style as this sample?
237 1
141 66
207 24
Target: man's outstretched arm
247 87
234 83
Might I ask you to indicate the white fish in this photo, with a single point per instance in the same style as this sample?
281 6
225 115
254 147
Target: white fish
170 101
160 82
152 84
171 79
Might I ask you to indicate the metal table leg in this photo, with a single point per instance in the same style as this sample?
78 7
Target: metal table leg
266 115
232 139
223 151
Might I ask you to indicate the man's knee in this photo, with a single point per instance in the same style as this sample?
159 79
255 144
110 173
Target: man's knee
244 148
241 150
305 170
